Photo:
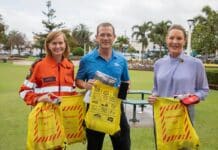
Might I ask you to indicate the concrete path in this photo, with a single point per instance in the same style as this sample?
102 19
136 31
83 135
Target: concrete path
145 118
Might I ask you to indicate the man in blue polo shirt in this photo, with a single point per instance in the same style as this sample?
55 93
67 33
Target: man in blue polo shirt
107 61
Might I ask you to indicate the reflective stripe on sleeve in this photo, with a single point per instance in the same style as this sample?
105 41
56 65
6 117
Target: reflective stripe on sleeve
29 84
54 89
23 93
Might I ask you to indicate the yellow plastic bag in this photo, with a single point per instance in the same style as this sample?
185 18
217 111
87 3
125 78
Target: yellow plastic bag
73 113
45 129
174 130
104 110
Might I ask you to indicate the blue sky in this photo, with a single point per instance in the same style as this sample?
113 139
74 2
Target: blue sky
26 15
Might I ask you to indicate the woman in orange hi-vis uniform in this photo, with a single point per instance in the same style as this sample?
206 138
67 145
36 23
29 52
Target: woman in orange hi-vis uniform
51 76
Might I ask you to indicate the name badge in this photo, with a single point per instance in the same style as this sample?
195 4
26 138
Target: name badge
49 79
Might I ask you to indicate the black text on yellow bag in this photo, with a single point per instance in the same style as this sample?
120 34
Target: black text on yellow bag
45 129
173 127
104 109
73 113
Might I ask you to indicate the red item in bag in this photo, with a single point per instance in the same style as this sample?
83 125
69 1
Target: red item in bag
192 99
55 99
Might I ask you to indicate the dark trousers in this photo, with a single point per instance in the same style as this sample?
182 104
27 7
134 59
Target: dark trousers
120 141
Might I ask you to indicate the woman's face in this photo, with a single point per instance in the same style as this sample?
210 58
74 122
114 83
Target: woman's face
175 42
57 46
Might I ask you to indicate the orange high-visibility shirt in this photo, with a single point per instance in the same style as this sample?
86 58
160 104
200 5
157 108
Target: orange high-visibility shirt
47 76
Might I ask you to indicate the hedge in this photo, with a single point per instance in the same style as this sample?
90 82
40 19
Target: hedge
212 76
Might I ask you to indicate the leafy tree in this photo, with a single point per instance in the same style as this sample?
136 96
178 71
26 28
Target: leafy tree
82 35
3 27
122 43
205 33
131 49
49 25
71 40
16 39
140 33
158 34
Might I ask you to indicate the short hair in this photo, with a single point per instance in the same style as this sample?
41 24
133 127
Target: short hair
105 24
177 27
51 36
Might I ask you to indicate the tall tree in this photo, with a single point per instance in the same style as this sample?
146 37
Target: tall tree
49 25
82 34
205 33
158 34
140 32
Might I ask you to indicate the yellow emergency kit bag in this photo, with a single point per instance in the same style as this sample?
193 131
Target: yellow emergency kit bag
45 128
173 127
104 109
73 113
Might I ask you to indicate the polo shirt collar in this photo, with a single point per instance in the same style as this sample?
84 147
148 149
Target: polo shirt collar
96 54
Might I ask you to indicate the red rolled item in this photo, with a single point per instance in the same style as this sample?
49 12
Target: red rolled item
192 99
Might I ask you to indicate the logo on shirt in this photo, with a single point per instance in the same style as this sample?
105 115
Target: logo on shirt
116 64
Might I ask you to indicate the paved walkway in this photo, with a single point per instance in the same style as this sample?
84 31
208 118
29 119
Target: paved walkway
145 118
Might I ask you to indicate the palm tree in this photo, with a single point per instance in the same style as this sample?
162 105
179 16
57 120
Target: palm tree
82 34
158 34
122 43
140 33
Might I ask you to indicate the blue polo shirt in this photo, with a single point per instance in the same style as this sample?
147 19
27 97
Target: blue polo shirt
116 66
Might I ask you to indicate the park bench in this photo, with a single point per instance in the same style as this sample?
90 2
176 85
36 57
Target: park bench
135 102
141 102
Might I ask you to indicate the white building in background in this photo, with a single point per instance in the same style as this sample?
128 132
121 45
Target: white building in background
138 46
36 52
14 52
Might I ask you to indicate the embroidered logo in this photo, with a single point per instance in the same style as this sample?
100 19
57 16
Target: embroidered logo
116 64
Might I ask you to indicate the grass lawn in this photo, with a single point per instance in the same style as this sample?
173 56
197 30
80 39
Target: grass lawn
14 113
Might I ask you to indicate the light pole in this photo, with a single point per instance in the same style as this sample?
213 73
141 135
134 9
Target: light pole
190 26
84 49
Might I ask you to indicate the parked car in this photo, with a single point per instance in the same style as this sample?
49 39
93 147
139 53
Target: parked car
25 53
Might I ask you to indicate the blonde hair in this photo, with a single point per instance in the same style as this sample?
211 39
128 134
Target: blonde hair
177 27
51 36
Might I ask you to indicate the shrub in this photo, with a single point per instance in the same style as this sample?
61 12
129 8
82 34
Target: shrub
78 51
212 79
